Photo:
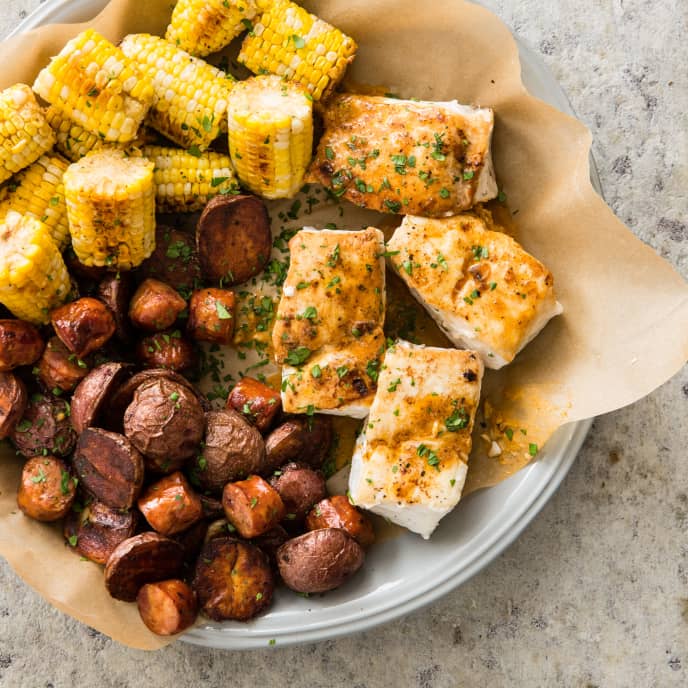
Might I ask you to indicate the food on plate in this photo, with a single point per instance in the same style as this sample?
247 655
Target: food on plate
190 95
44 427
308 439
25 135
406 156
167 607
270 135
170 505
93 83
411 460
328 333
59 368
258 403
288 41
92 395
252 506
20 344
155 306
483 290
300 487
33 276
319 560
83 325
211 316
111 209
174 259
166 350
202 27
47 489
115 292
13 401
338 512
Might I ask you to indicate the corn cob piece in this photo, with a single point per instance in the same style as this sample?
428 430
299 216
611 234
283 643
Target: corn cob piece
184 183
202 27
289 41
39 191
111 208
191 96
33 276
73 141
95 85
270 135
24 132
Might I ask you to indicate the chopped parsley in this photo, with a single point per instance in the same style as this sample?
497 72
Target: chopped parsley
458 420
298 356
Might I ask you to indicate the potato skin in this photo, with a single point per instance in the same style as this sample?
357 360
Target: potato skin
257 402
166 350
233 580
115 292
13 401
170 505
252 506
338 512
300 487
93 393
174 260
20 344
83 325
320 560
44 427
299 439
47 489
208 316
59 368
155 306
167 607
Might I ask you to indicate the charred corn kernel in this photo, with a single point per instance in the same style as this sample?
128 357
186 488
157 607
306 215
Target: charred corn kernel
270 135
95 85
185 182
289 41
191 96
33 276
111 209
24 132
39 191
202 27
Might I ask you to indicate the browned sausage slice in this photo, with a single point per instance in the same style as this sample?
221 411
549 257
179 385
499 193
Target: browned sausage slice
109 467
300 439
45 428
252 506
170 505
13 401
20 344
115 292
46 489
155 306
338 512
211 316
83 325
233 239
300 487
166 350
259 403
93 392
144 558
167 607
59 368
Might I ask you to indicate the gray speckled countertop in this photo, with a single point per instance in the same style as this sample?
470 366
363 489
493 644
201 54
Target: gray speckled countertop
595 591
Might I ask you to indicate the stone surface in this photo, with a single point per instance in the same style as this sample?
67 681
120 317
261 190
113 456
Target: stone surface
595 592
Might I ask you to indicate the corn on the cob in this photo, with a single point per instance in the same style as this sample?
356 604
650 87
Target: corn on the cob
270 135
73 141
33 276
39 191
289 41
184 183
24 132
111 208
202 27
95 85
191 96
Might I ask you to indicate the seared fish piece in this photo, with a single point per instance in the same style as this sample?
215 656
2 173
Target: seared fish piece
406 156
480 286
328 332
410 462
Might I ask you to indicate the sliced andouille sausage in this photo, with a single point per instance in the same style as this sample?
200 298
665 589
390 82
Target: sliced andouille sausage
20 344
166 350
170 505
155 306
44 428
174 260
233 239
141 559
338 512
256 401
211 316
93 393
115 292
47 488
300 439
13 401
320 560
252 506
109 467
96 529
300 487
83 325
167 607
233 580
59 368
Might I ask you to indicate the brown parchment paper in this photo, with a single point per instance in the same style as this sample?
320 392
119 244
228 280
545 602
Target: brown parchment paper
625 326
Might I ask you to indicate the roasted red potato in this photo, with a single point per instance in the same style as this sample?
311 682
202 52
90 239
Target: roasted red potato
109 467
233 580
144 558
338 512
174 260
95 530
59 368
300 487
83 325
115 292
320 560
13 401
155 306
93 393
167 607
259 403
252 506
166 350
300 439
20 344
170 505
44 428
211 316
233 239
47 488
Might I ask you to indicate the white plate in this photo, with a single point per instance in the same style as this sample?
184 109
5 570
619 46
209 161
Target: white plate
403 573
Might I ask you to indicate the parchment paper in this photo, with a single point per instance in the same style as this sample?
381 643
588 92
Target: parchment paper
625 326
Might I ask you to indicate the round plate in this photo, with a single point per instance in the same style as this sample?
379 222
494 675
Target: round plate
403 573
